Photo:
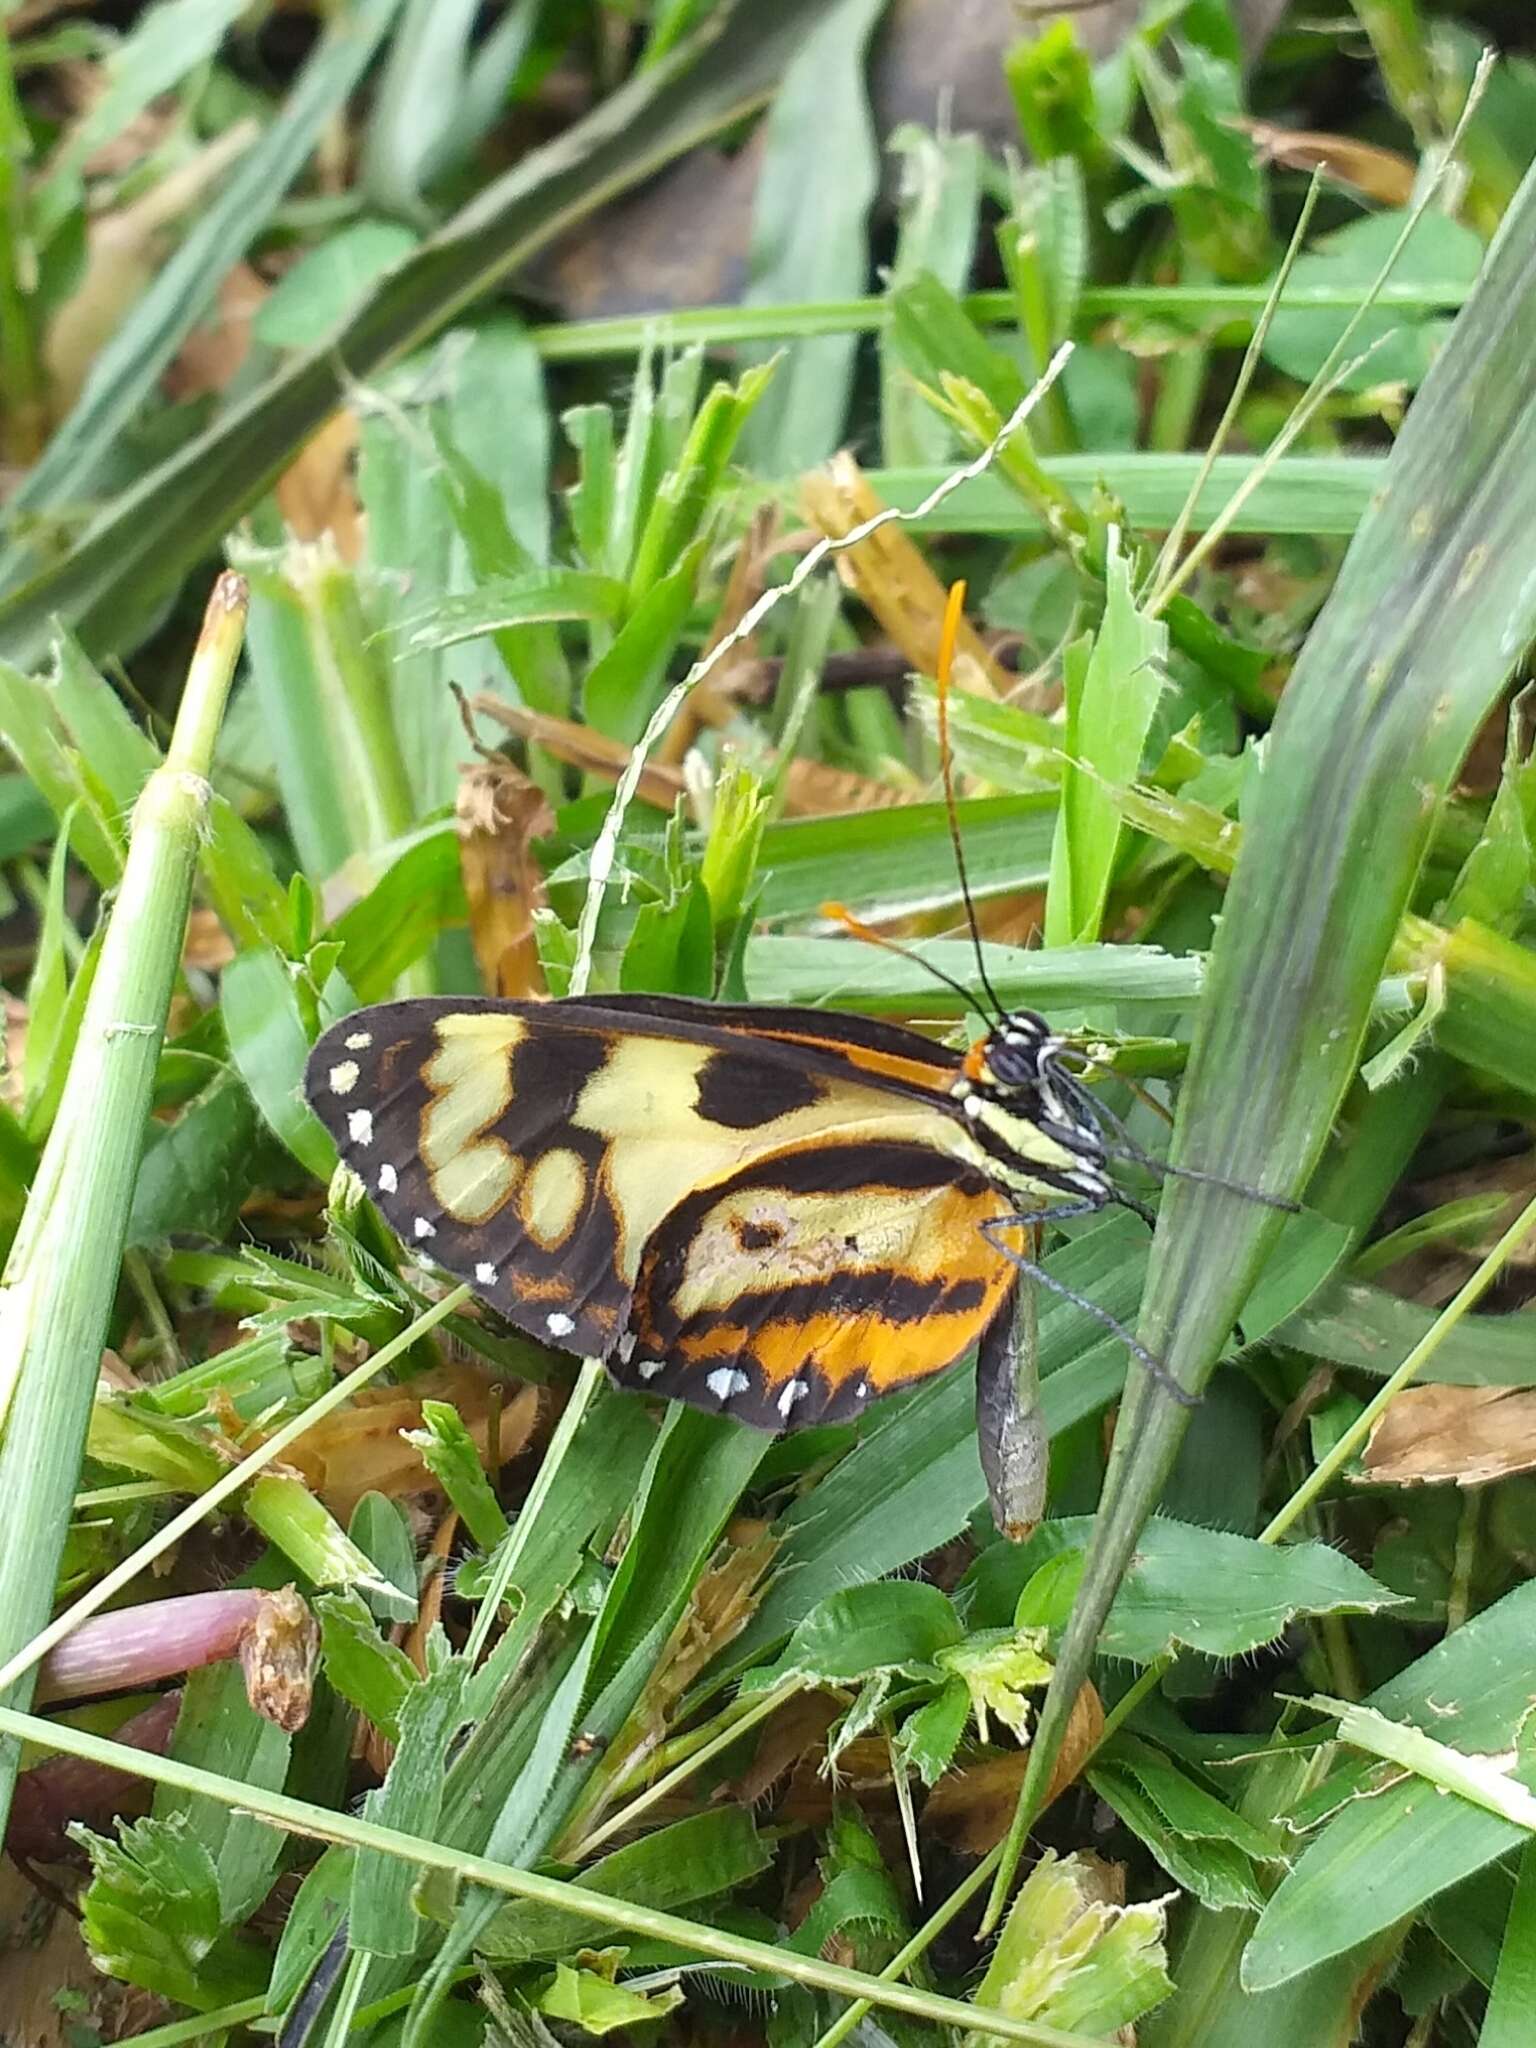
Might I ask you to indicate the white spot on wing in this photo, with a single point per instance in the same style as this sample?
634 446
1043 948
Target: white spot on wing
559 1325
624 1350
725 1381
649 1367
485 1274
359 1041
344 1077
423 1228
861 1391
389 1180
360 1126
795 1391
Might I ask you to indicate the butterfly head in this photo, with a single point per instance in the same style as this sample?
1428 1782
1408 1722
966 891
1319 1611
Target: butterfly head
1026 1111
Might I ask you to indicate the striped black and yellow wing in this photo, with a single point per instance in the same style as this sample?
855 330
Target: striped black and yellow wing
754 1210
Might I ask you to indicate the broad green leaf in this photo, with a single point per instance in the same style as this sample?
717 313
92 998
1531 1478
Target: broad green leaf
324 286
534 598
1219 1594
151 1917
700 1858
219 1730
449 1454
1440 249
383 1918
374 1675
1382 1857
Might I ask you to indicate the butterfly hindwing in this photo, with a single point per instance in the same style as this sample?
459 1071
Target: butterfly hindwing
814 1280
536 1149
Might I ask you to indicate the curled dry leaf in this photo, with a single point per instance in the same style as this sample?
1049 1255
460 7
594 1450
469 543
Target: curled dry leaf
580 747
317 493
811 790
499 813
360 1450
796 1731
972 1806
208 359
1464 1435
1385 175
889 574
124 249
277 1655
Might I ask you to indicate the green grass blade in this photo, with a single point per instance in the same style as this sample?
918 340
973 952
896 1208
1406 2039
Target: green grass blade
1432 607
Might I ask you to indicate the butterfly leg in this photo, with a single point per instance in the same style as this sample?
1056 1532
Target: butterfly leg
1153 1366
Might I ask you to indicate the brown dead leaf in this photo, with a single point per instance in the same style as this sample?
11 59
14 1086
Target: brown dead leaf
317 493
359 1449
1385 175
1459 1435
971 1807
124 250
716 697
593 752
889 573
814 789
207 945
278 1654
499 813
208 359
796 1731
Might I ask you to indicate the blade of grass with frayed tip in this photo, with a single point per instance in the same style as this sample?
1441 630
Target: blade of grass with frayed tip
1433 605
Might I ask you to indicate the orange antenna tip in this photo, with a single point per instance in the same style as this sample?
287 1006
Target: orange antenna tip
949 634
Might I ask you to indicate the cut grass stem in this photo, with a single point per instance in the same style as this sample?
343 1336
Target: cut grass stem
62 1275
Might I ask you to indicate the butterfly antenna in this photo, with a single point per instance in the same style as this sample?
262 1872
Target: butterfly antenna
1088 1104
954 612
839 913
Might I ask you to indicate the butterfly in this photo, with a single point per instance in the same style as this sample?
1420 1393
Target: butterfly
775 1214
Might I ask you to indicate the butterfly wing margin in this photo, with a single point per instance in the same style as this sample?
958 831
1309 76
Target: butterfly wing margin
532 1149
814 1281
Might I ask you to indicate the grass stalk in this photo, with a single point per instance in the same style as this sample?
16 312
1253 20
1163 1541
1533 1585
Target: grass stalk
318 1823
61 1279
1234 305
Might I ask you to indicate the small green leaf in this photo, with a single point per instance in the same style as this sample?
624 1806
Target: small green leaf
449 1454
374 1675
891 1625
323 287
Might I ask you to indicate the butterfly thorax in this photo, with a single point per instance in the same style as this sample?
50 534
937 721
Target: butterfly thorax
1023 1126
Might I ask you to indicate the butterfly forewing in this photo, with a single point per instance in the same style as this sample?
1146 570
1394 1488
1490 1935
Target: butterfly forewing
548 1153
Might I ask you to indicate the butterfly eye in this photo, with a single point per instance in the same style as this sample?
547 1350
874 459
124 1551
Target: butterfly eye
1014 1066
